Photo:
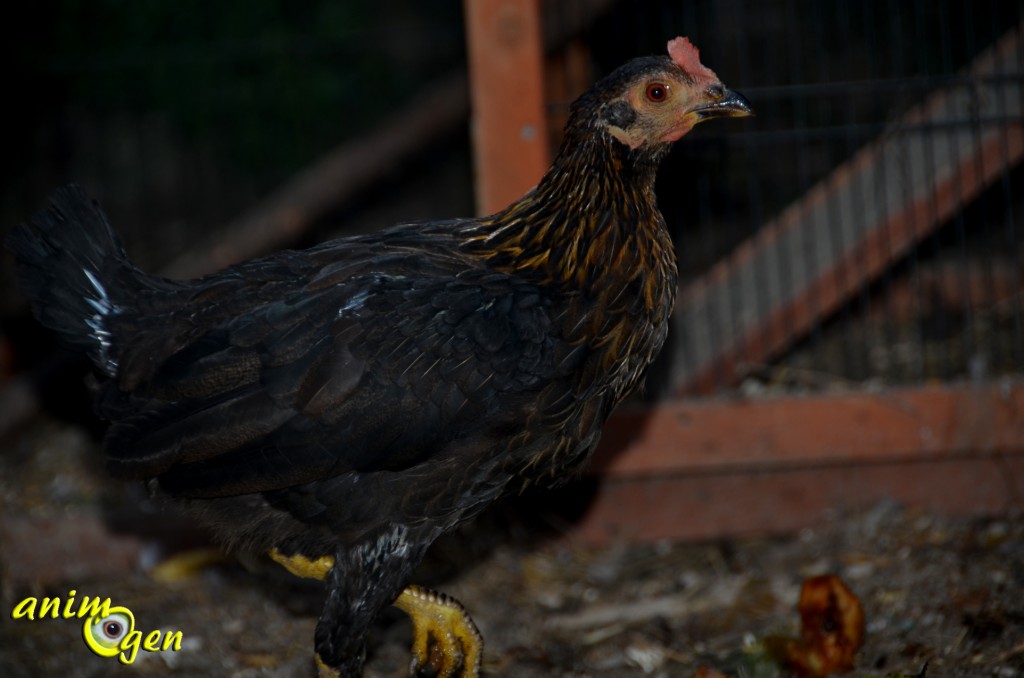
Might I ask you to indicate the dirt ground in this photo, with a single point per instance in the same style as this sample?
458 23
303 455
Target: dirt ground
941 593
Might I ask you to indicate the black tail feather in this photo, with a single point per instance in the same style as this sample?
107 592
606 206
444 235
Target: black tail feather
73 268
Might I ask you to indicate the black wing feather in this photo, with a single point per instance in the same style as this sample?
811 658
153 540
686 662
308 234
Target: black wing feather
378 372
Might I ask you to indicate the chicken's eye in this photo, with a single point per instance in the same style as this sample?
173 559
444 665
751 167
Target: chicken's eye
657 92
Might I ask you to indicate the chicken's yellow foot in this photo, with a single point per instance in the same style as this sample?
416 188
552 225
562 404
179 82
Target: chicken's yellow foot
301 566
444 635
456 640
325 671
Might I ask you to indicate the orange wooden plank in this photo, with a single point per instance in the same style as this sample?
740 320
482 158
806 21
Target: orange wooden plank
712 468
711 506
506 66
925 423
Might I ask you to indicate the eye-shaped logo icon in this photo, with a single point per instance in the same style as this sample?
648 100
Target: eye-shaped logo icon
104 634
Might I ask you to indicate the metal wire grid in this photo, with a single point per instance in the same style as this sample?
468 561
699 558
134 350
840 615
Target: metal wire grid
828 80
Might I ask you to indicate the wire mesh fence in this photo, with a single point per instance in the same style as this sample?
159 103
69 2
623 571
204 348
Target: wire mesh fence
866 226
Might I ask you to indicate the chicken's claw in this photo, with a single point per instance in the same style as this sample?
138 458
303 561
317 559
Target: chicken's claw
301 566
456 640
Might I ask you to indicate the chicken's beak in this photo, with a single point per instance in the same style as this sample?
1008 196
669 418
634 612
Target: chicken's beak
730 105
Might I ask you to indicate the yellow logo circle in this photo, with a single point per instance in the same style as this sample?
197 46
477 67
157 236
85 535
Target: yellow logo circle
103 635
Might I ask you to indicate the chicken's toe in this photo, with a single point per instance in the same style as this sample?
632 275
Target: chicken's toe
444 636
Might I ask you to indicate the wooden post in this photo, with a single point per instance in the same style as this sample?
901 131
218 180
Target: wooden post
506 66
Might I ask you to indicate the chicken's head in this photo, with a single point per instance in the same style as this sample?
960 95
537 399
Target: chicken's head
653 101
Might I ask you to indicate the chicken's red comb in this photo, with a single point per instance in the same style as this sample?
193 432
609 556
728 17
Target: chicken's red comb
687 57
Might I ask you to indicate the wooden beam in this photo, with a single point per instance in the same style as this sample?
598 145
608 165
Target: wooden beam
283 215
785 501
506 67
929 166
701 468
923 423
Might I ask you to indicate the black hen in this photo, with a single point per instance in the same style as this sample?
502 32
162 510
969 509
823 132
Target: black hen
342 407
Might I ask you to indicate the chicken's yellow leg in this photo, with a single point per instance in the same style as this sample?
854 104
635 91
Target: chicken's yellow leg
456 640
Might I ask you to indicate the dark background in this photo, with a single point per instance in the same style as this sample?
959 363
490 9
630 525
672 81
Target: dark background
180 116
